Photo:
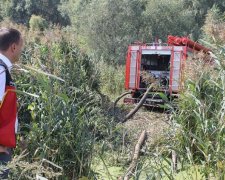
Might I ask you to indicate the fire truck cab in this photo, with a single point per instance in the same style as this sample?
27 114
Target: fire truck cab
164 62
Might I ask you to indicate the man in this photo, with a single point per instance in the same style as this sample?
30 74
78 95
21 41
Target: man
11 44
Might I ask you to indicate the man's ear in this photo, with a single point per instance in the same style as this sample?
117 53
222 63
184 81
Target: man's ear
13 47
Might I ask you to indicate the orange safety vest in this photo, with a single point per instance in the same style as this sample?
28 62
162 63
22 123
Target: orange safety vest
8 112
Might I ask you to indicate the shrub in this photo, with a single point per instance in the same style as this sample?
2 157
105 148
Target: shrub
37 23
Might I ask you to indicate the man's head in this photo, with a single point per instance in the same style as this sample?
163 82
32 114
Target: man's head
11 43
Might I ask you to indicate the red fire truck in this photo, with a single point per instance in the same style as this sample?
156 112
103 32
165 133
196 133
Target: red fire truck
164 62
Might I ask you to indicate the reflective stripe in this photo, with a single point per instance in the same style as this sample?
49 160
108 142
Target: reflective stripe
133 67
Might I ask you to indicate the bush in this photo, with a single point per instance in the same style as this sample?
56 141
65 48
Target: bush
37 23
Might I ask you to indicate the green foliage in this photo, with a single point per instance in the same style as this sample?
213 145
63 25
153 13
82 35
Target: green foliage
4 9
37 23
200 9
213 29
200 121
112 79
105 28
21 11
109 26
61 124
163 18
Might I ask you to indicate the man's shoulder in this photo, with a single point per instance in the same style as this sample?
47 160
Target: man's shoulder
2 69
2 63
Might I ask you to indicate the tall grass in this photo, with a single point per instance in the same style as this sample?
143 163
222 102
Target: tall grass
201 121
61 121
111 79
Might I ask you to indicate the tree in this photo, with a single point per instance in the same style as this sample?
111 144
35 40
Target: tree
22 10
164 17
107 27
200 9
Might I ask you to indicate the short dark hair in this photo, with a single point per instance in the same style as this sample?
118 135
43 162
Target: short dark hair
8 36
